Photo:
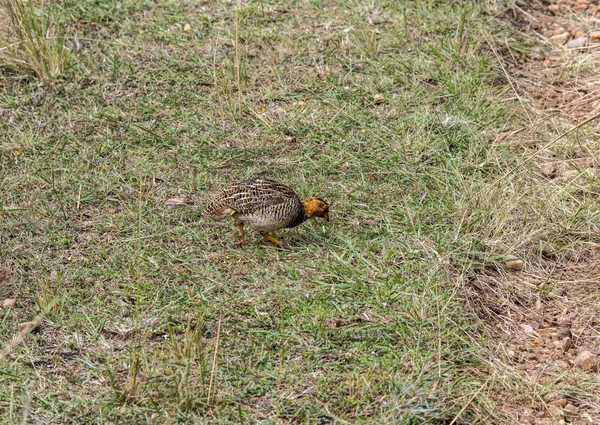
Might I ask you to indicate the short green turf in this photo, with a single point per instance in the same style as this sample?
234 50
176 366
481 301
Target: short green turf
150 312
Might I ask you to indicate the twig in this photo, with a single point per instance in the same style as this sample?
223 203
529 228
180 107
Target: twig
237 54
214 363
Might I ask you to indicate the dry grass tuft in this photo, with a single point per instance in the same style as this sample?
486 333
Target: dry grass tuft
32 42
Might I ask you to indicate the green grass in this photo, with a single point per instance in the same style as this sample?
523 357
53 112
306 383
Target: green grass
150 314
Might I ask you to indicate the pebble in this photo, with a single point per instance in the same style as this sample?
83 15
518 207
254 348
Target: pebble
561 38
548 170
565 333
566 343
514 263
577 42
562 364
8 303
555 411
571 410
377 99
561 402
586 361
527 329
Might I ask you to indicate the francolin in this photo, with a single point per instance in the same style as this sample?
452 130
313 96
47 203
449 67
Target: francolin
265 205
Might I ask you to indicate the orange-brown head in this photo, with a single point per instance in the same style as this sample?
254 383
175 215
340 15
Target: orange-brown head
316 207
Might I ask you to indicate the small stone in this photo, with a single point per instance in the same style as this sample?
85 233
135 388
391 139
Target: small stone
564 319
566 343
377 99
548 33
548 170
577 42
187 27
586 361
561 38
555 411
561 402
527 329
514 263
595 35
8 303
565 333
571 410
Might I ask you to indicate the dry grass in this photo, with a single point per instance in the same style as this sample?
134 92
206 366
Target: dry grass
31 42
544 210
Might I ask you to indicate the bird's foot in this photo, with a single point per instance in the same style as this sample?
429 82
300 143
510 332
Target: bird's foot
274 241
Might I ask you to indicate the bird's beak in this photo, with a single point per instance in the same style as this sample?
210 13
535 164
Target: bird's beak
326 217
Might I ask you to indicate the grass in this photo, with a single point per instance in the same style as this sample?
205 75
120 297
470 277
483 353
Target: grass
148 314
31 42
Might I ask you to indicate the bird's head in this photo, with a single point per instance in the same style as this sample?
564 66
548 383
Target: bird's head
316 207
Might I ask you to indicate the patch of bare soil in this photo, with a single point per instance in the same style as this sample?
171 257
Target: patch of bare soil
545 319
560 73
546 327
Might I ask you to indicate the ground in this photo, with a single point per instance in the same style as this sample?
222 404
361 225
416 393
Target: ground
456 282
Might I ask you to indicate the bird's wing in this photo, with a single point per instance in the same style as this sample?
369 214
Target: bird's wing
247 196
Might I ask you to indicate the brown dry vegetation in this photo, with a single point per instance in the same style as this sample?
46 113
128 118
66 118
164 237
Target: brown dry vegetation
540 319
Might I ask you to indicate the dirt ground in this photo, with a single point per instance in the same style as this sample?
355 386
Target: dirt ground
545 317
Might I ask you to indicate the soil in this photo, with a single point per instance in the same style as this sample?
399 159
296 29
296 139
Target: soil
545 319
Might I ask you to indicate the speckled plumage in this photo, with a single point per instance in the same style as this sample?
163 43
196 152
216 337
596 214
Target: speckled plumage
263 204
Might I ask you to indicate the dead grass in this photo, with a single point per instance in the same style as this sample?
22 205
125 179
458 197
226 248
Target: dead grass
544 211
30 41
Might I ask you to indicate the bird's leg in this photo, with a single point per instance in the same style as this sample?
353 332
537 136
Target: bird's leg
273 240
241 232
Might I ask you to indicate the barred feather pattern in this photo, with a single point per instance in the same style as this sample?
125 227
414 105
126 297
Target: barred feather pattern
261 203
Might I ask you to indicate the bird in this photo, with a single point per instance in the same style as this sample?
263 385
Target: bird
265 205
